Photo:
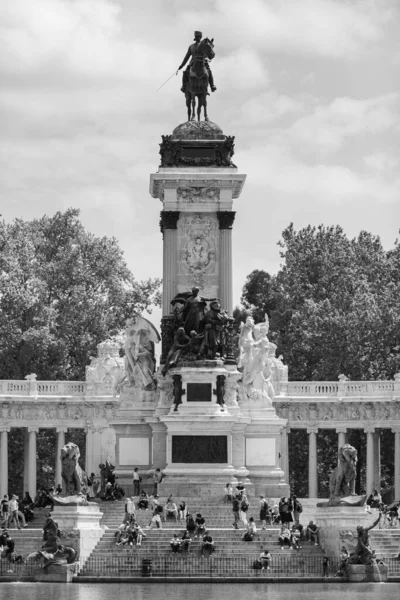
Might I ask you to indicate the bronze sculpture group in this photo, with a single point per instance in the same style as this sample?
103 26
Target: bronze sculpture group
200 332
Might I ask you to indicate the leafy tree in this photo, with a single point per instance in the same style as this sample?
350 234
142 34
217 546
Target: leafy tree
62 291
333 308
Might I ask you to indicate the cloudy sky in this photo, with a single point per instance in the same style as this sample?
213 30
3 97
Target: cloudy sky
309 88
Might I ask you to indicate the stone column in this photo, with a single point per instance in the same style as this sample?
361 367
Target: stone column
89 450
168 224
225 219
285 451
377 460
238 446
341 431
61 431
32 431
26 458
396 431
312 462
369 430
4 461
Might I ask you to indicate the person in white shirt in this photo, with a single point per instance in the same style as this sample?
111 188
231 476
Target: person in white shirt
14 511
136 482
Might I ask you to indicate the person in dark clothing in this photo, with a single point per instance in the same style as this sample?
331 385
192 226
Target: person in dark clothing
190 524
208 544
200 525
186 541
235 510
325 566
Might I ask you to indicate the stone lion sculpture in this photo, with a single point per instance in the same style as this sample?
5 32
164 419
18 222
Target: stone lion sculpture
74 479
343 479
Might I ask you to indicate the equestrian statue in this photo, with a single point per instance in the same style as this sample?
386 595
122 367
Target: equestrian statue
198 76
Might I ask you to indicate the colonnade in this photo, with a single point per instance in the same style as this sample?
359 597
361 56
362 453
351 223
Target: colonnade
373 469
30 458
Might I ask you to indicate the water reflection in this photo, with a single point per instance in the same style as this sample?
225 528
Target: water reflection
200 591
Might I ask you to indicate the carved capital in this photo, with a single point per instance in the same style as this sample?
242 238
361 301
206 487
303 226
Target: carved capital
168 219
312 429
341 429
369 428
61 429
226 219
396 429
33 429
5 429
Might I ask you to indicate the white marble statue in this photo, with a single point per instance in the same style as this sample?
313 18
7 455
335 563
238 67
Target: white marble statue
139 362
255 361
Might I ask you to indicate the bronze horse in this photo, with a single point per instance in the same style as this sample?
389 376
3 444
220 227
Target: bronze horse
197 85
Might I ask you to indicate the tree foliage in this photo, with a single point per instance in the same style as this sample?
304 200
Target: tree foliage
333 304
62 291
333 309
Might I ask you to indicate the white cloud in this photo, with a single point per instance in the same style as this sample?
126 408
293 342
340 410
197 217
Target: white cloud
381 161
326 127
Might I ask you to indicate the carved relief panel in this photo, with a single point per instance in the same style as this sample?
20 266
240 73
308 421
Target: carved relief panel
198 253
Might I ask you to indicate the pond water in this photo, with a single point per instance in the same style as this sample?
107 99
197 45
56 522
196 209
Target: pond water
206 591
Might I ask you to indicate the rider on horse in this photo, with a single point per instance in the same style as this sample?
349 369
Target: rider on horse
191 53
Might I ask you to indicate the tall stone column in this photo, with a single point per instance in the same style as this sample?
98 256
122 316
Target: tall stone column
312 462
377 459
285 452
4 461
226 219
89 450
396 431
32 431
369 430
341 431
61 431
26 458
168 225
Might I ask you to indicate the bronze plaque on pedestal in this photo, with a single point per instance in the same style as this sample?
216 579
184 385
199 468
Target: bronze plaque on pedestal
199 392
199 449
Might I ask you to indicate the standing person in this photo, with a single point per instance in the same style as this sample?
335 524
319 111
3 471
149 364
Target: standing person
136 482
297 509
157 479
5 511
325 566
264 512
244 507
235 510
14 511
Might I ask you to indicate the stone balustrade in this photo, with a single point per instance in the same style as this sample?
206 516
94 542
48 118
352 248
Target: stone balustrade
316 389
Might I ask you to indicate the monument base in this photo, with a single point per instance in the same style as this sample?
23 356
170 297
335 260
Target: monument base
361 573
202 480
337 526
80 526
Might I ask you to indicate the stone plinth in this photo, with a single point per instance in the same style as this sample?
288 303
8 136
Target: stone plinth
338 523
82 522
360 573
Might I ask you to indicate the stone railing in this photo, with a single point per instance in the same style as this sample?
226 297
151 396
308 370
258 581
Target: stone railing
42 388
315 389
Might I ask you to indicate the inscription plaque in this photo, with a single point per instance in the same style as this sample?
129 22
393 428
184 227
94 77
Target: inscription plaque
199 392
199 449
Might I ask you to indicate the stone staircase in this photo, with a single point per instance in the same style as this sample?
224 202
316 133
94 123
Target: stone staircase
232 557
385 542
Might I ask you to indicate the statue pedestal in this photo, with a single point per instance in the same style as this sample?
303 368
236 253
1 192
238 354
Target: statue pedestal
337 526
360 573
81 525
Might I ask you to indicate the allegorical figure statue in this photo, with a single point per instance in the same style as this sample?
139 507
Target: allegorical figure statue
198 76
178 391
